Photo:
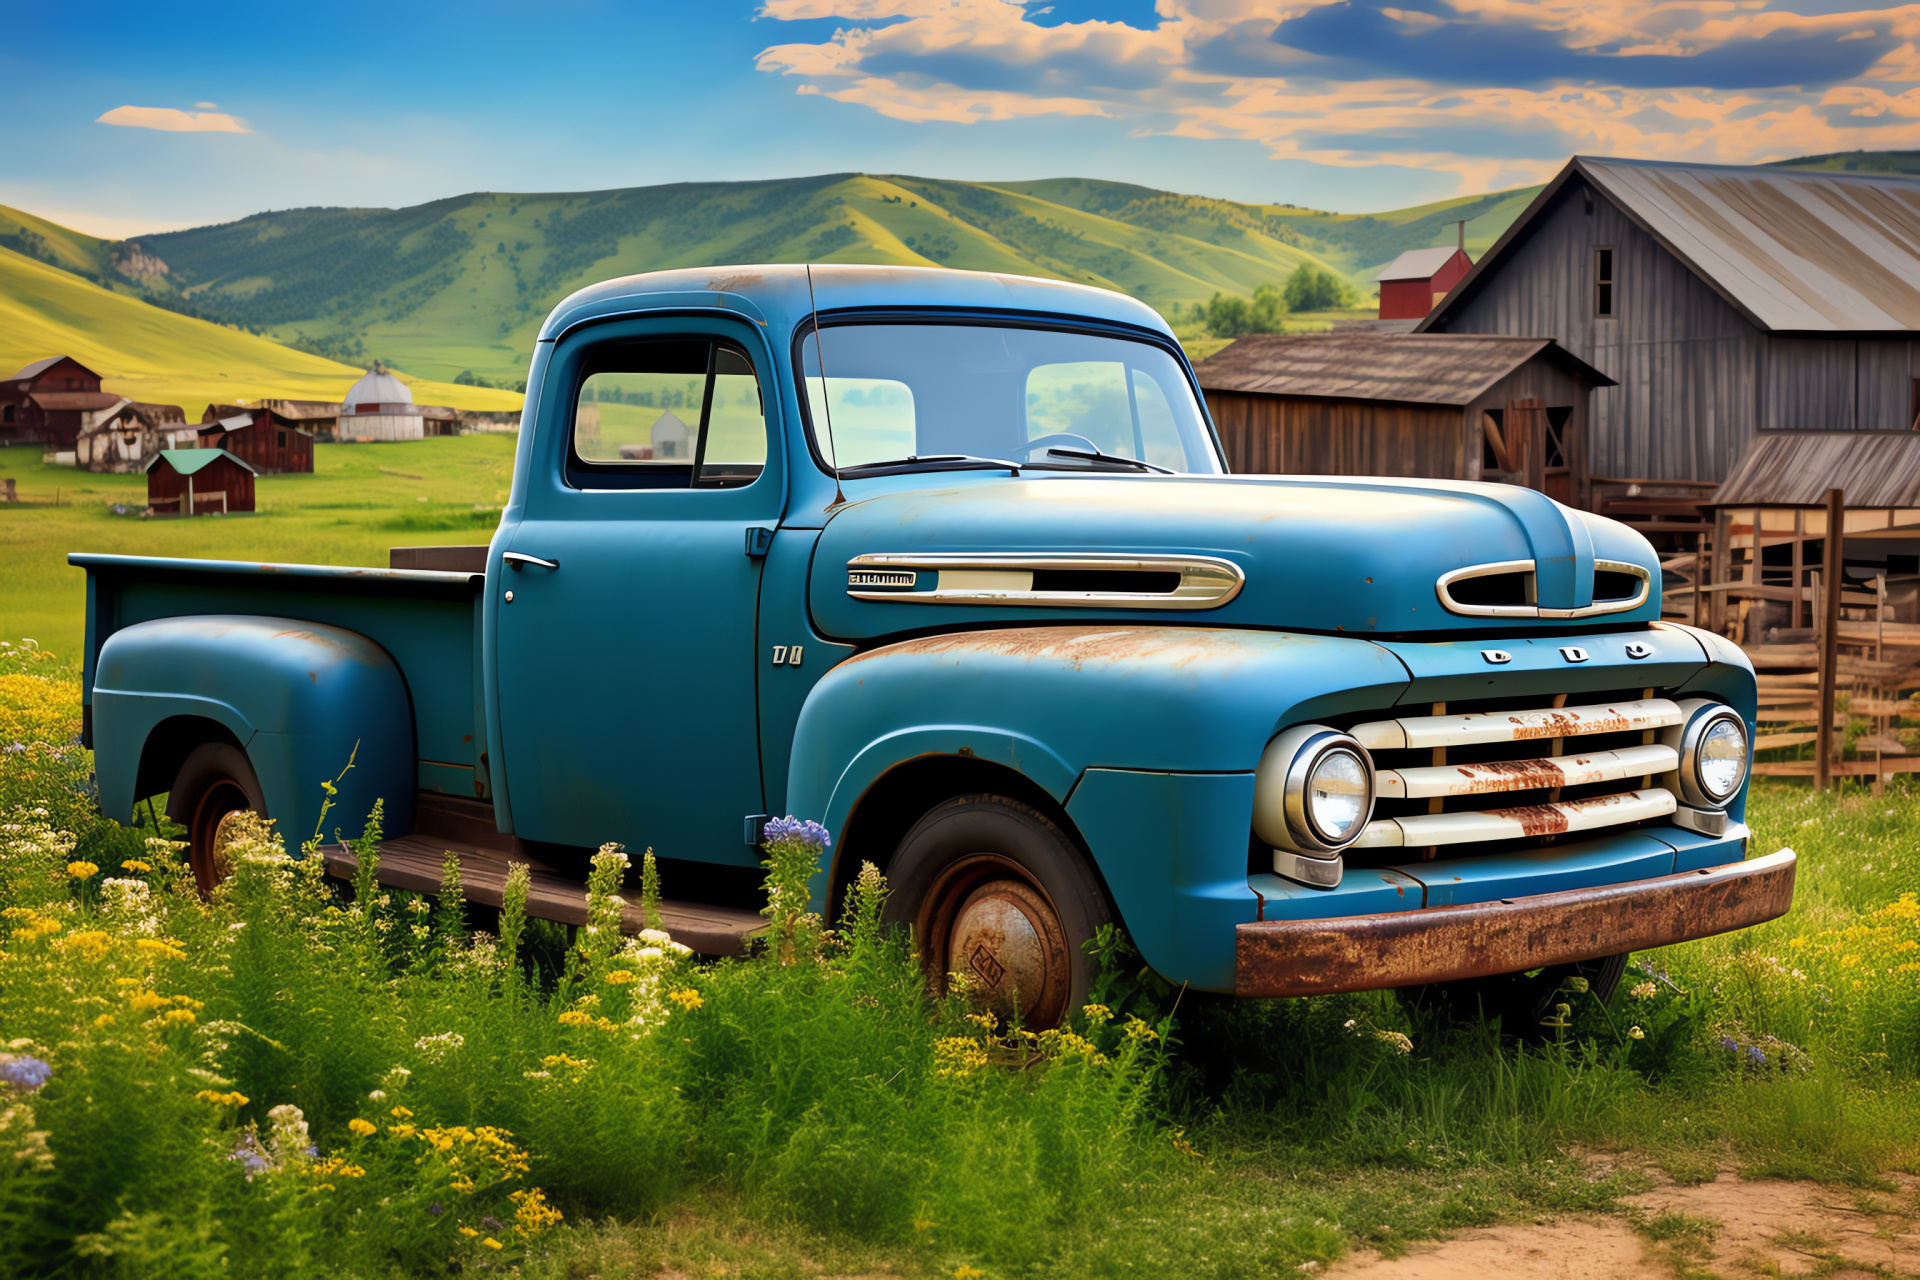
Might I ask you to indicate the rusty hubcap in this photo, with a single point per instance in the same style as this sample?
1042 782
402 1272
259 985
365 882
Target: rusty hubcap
212 832
1004 935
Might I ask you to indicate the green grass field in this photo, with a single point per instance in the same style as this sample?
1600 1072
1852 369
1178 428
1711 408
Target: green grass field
361 500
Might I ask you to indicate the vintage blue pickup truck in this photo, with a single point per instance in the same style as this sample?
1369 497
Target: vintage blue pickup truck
951 563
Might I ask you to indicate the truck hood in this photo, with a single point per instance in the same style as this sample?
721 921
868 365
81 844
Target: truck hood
1331 554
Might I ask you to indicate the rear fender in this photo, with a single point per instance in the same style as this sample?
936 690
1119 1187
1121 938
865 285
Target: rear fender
299 698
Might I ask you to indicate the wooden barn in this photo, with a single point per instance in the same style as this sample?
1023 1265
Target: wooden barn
50 402
270 441
1384 404
1413 283
126 436
1722 302
198 482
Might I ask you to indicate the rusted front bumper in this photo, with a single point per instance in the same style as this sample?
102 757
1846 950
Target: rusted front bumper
1438 944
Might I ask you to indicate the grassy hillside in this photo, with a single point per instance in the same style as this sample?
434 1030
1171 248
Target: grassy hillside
153 354
1904 162
462 284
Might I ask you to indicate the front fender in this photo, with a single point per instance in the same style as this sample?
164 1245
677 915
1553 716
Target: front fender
1136 704
298 697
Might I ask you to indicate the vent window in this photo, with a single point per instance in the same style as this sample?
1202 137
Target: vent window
1603 282
1106 580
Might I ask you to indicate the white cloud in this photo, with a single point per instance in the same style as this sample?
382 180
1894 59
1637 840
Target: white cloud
1214 69
170 120
206 106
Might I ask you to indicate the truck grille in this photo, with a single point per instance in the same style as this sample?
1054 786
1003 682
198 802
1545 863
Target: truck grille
1504 774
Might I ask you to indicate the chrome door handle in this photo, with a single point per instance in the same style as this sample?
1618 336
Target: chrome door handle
515 559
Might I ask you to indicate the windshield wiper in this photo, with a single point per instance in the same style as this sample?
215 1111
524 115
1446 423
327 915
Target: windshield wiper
935 462
1093 456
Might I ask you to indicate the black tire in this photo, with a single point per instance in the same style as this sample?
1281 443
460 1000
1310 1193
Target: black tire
1521 1002
994 888
215 781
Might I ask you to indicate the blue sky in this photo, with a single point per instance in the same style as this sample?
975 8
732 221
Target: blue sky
216 110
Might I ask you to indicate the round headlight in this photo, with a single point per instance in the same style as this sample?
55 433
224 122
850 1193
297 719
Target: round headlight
1313 791
1713 754
1338 795
1720 759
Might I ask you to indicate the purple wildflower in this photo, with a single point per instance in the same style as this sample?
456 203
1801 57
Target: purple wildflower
1728 1044
795 829
249 1156
1756 1055
434 1210
14 748
24 1073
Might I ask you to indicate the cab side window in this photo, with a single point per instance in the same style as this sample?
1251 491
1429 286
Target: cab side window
667 414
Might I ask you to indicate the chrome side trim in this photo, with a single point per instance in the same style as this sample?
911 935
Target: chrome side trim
1006 578
1443 589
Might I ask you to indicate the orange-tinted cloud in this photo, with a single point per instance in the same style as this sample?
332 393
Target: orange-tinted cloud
169 120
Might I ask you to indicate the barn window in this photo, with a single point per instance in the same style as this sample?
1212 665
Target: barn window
1603 282
6 414
280 439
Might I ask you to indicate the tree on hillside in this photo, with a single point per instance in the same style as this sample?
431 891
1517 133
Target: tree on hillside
1312 288
1231 317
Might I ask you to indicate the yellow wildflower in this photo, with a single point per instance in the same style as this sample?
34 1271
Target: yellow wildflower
468 1231
104 1020
491 1243
363 1128
534 1214
183 1016
575 1018
1096 1013
402 1131
967 1273
81 870
619 978
401 1113
143 1001
135 865
222 1099
165 948
686 998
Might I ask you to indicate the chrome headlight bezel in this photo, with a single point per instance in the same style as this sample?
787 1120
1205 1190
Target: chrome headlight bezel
1693 787
1282 810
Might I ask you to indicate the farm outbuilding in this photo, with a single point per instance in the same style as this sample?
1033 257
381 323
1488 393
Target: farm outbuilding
1369 403
198 482
50 402
130 433
265 439
1724 302
1413 283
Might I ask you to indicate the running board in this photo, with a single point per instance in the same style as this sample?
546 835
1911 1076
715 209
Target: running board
414 863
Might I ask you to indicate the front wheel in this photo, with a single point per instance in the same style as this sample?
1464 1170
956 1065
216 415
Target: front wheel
1522 1002
215 782
997 892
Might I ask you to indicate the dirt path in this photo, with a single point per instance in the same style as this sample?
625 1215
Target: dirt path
1725 1227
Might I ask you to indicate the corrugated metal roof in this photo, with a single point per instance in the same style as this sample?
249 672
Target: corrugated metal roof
1450 369
1792 249
1796 468
1417 264
188 461
83 400
39 367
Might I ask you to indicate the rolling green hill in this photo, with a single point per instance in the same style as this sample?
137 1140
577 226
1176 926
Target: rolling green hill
148 353
1904 162
462 283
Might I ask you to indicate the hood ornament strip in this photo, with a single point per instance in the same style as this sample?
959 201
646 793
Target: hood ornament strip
1525 570
1087 580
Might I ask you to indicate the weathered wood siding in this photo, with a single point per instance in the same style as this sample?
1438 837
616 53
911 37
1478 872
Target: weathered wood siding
1687 362
1838 384
1310 435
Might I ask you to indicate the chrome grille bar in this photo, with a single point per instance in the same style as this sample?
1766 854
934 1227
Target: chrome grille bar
1415 733
1524 775
1555 818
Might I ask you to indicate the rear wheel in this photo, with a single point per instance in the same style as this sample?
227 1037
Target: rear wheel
1521 1002
215 783
996 891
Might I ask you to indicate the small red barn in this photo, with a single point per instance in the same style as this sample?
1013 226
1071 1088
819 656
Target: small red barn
198 482
265 439
50 401
1413 283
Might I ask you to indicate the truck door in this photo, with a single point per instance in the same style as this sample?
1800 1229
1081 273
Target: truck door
626 598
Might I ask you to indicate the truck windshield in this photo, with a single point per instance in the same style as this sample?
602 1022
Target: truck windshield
962 393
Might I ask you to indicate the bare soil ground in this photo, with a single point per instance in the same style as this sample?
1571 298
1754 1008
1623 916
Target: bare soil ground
1725 1227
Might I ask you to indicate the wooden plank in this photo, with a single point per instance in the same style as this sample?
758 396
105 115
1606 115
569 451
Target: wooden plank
414 863
1777 741
1838 768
